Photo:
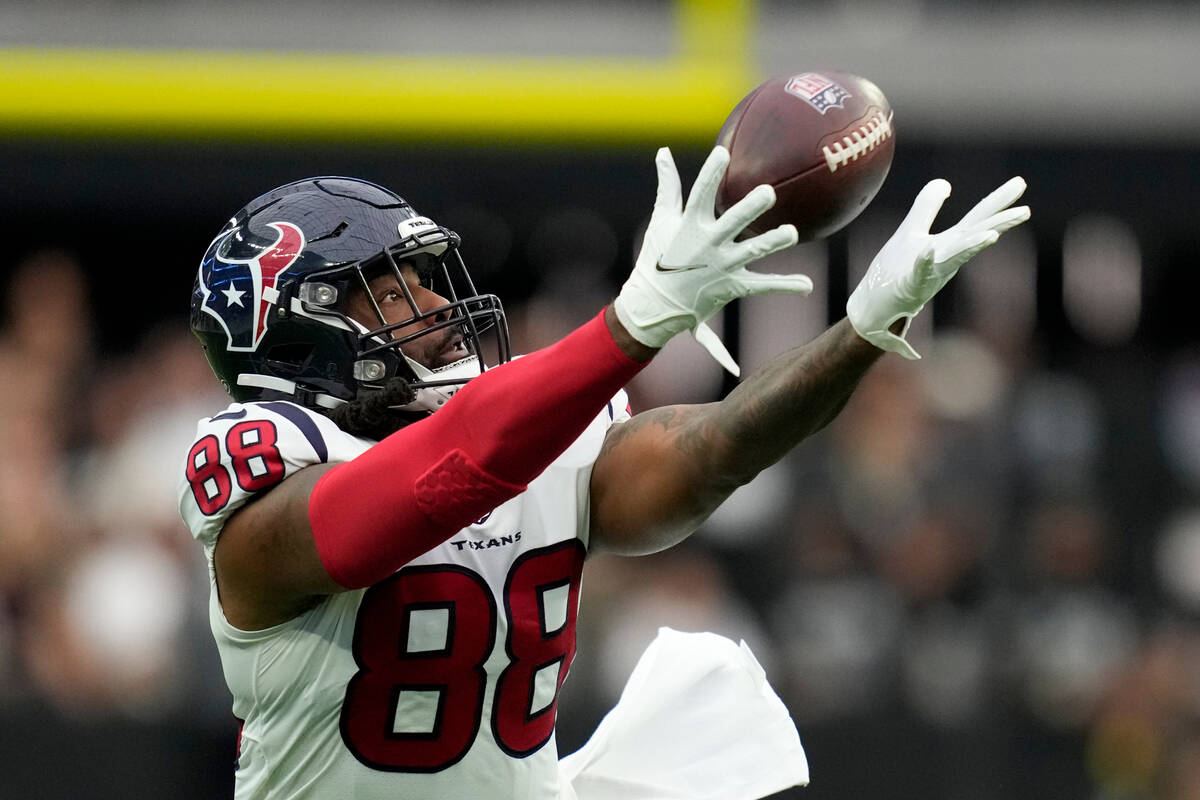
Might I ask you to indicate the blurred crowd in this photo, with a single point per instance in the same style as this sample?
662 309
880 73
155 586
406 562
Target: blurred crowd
981 581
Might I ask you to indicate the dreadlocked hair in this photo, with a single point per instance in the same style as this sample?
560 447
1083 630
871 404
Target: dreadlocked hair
373 414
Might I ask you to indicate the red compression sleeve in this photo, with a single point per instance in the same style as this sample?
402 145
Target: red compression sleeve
417 487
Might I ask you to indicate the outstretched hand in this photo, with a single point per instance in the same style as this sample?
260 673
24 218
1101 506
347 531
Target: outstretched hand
691 264
914 264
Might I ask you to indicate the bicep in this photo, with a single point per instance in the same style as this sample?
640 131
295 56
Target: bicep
266 561
653 482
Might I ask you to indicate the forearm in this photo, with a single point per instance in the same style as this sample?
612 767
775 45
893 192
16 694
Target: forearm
788 399
662 473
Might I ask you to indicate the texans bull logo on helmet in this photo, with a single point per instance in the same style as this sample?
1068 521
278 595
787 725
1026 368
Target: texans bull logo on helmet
238 293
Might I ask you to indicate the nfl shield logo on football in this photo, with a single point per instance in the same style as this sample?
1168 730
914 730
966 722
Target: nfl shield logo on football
817 90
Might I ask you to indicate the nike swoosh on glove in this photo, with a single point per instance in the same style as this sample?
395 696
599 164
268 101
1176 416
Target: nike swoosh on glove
691 264
914 264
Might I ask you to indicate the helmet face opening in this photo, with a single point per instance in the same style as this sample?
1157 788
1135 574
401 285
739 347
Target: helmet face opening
436 319
287 300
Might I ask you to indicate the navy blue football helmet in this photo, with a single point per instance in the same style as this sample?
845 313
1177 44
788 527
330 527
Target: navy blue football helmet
270 299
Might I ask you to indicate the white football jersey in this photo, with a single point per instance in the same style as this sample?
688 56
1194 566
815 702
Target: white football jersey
440 681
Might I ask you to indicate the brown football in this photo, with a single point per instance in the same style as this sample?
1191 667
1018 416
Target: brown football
823 139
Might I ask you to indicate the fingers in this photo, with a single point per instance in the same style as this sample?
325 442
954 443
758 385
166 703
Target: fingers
927 205
746 210
985 240
1007 219
670 192
755 283
995 202
704 190
965 249
764 244
754 248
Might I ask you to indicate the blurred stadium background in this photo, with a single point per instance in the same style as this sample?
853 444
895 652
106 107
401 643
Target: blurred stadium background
982 582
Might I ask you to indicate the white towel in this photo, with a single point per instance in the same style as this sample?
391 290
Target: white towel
696 721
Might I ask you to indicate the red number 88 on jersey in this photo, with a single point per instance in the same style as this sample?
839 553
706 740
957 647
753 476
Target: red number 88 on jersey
416 703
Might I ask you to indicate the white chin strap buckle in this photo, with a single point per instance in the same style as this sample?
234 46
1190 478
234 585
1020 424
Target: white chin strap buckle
431 398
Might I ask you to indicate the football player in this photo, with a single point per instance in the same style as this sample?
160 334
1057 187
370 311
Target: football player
396 530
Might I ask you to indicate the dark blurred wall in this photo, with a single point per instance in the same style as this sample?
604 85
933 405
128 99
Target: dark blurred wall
137 216
146 211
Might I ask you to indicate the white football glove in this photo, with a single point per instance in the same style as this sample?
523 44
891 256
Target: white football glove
690 265
914 264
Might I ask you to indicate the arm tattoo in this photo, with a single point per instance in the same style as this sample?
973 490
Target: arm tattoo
686 426
788 399
791 397
672 466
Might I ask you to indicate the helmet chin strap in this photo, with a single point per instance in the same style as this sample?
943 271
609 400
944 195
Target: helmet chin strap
431 398
287 387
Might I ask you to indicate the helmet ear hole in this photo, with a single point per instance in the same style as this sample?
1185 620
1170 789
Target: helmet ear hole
293 355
